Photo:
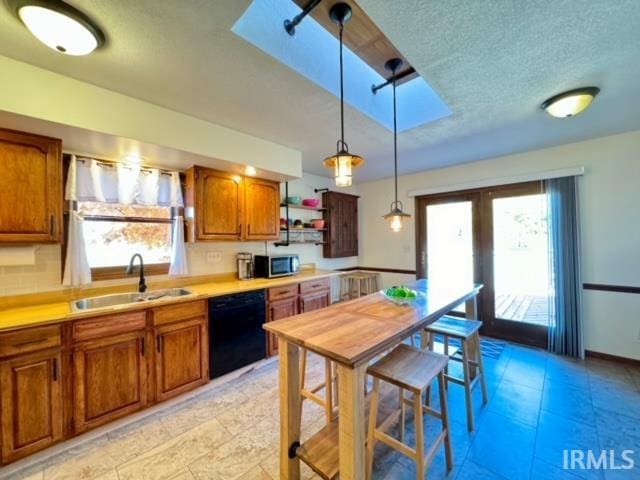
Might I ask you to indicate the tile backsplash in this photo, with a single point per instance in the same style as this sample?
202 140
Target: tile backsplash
46 273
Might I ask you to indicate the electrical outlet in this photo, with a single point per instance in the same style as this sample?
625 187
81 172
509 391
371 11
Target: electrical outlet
214 257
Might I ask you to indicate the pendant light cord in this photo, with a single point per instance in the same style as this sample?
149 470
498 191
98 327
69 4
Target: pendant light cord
341 92
395 138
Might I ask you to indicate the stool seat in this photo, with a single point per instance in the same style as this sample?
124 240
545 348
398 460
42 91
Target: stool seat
409 367
454 327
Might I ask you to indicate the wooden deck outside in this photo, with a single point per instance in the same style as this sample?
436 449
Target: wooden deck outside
523 308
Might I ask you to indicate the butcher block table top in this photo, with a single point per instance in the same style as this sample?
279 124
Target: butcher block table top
355 331
352 334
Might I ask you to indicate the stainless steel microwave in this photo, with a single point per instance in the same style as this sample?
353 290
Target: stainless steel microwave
272 266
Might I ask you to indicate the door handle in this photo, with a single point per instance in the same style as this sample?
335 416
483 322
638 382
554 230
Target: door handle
142 347
51 225
55 369
159 344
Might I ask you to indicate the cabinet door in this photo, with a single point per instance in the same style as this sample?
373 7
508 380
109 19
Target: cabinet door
262 209
110 379
181 358
277 310
31 186
315 301
31 398
219 205
342 225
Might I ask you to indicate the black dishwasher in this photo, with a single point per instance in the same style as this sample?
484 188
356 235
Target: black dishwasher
236 336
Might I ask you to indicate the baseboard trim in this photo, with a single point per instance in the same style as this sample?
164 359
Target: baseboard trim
377 269
612 358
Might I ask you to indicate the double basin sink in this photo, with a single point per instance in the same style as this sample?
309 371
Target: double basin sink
120 299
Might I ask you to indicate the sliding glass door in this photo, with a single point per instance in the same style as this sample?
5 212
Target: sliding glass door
497 237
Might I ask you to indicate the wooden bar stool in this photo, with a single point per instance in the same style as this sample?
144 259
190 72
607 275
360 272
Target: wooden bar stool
467 332
413 370
359 283
330 400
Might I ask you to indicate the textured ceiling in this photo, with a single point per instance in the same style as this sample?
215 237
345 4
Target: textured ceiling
491 62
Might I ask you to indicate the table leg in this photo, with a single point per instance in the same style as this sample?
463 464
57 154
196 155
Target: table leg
290 405
351 421
472 314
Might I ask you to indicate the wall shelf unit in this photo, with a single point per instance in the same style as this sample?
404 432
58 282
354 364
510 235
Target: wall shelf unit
299 236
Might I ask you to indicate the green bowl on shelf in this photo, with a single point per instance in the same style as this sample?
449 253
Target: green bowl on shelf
295 200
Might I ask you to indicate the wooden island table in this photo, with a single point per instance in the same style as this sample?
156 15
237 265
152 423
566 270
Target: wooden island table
351 334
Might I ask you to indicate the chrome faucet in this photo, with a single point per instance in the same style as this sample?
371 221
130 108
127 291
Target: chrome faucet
142 286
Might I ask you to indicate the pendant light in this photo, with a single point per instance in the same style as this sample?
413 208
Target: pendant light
342 162
59 26
395 216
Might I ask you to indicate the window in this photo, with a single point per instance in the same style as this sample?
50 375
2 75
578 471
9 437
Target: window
113 232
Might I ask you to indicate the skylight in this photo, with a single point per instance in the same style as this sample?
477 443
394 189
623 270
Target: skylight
313 52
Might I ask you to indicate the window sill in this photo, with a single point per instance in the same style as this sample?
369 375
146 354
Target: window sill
114 273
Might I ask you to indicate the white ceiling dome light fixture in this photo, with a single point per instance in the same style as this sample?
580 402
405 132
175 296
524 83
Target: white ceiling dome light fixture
568 104
59 26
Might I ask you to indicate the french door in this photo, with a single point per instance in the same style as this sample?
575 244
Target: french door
498 237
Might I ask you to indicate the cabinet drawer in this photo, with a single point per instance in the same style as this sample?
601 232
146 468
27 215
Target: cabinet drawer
181 311
286 291
109 325
315 285
29 340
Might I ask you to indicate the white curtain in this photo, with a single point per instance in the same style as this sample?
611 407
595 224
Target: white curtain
179 264
76 266
93 181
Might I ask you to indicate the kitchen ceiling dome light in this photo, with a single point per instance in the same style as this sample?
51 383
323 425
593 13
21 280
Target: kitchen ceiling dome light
568 104
342 162
395 216
59 26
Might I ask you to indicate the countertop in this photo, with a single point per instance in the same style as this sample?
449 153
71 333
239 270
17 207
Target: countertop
32 315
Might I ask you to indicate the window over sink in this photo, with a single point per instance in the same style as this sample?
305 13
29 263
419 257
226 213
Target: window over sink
113 232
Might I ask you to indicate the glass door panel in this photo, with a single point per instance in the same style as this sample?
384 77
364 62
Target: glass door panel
450 256
521 259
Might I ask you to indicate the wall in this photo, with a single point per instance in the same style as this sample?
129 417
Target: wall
39 93
609 215
45 274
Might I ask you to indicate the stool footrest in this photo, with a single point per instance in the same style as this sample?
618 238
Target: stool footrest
396 444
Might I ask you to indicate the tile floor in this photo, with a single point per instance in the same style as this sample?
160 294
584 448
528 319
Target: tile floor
539 405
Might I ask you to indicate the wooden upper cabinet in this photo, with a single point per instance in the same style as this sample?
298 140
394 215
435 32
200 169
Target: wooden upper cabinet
31 186
341 216
262 200
215 205
225 206
31 398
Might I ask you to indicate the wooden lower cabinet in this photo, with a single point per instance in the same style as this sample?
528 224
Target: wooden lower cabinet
181 357
304 297
315 300
31 403
277 310
110 379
